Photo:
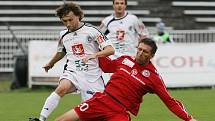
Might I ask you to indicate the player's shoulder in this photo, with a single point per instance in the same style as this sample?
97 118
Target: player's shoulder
91 28
127 60
108 18
63 32
88 25
132 16
151 66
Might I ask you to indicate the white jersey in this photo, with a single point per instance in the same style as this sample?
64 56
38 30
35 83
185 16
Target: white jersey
84 41
123 32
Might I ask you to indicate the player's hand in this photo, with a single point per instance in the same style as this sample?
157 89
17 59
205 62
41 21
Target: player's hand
47 67
89 57
143 37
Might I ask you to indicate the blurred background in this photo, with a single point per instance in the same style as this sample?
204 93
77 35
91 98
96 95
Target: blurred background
22 21
29 33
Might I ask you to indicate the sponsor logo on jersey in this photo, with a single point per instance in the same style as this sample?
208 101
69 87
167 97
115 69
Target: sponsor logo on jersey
133 74
101 38
78 49
128 62
146 73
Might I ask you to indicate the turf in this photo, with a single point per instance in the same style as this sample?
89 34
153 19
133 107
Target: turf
21 104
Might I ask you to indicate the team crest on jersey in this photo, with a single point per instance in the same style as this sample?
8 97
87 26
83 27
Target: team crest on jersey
134 72
128 62
120 34
78 49
146 73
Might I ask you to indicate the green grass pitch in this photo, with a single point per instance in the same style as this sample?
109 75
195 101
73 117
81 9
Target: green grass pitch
21 104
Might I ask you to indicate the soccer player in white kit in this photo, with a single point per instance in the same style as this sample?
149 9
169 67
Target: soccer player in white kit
82 44
123 29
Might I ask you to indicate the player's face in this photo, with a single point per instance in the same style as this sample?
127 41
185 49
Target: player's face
119 6
71 21
144 54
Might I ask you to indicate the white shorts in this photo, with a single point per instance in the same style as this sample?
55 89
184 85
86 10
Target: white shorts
86 87
106 77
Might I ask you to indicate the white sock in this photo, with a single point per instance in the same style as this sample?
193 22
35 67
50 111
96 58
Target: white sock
50 104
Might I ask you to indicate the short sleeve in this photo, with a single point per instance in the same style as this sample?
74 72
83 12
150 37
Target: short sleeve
101 39
60 47
140 27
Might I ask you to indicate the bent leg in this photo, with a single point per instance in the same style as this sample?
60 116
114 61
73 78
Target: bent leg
68 116
64 87
52 101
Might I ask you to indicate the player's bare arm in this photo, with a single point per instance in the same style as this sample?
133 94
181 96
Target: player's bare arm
108 50
58 56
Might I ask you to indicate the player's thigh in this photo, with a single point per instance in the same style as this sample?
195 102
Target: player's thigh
120 117
68 116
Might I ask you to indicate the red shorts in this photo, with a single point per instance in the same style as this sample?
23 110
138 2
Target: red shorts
102 108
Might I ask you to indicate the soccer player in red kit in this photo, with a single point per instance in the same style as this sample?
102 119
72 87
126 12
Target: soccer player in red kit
132 79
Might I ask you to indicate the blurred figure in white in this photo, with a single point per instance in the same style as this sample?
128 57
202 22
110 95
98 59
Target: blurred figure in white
123 29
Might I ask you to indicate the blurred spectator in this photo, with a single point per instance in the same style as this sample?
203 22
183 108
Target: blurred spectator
162 35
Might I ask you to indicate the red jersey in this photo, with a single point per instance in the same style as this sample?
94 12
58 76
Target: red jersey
131 81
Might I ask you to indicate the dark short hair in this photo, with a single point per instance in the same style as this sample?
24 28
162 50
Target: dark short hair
151 43
124 0
68 7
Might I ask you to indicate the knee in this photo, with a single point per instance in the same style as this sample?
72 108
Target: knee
62 89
